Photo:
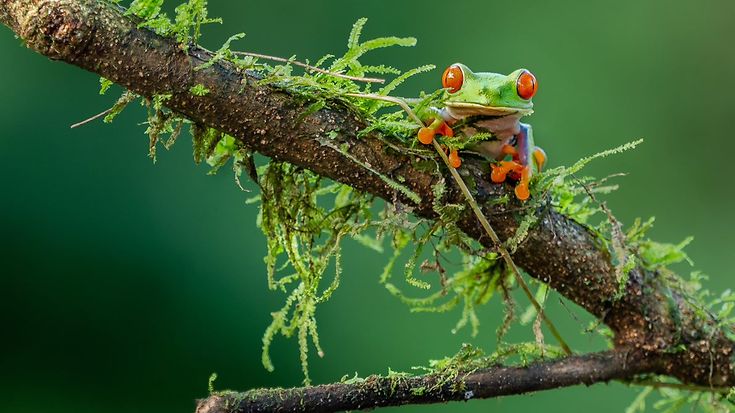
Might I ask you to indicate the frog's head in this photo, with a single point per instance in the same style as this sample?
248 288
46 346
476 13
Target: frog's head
491 94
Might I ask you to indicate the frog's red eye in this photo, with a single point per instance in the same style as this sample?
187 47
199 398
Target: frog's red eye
453 78
526 85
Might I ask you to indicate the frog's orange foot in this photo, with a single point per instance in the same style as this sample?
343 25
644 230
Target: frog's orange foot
501 170
454 160
522 192
539 156
427 133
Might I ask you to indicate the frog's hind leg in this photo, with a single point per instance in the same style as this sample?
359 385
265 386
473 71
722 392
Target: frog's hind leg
525 155
520 167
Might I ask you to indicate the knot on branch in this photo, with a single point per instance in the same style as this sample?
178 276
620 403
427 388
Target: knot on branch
58 29
211 404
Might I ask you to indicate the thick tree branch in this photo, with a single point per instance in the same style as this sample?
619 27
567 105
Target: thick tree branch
381 391
651 319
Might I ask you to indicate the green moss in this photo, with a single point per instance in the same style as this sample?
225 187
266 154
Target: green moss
224 53
105 85
145 9
125 99
199 90
396 378
356 379
186 26
298 226
469 359
210 383
528 220
418 391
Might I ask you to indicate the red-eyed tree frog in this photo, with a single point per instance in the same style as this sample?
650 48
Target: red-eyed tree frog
493 104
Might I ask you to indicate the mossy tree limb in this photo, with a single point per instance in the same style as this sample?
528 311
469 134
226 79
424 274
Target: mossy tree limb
376 391
651 319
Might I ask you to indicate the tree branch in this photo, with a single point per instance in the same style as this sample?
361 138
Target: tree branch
383 391
653 318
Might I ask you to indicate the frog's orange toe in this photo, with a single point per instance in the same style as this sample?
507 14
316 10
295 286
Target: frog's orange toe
540 157
498 174
426 135
454 160
501 169
522 191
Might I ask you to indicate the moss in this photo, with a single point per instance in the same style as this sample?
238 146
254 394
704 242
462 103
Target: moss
186 25
210 382
418 391
199 90
396 379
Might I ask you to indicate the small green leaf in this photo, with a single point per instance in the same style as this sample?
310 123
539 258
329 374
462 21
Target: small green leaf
105 85
199 90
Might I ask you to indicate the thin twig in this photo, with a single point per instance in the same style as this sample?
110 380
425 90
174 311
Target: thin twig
310 67
480 216
93 118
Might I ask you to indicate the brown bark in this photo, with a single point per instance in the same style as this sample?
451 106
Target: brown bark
651 319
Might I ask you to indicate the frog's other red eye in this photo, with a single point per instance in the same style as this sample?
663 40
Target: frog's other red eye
526 85
453 78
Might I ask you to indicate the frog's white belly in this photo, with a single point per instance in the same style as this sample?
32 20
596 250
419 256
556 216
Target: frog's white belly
503 128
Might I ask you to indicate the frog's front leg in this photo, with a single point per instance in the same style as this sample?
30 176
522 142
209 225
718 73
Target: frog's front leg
439 126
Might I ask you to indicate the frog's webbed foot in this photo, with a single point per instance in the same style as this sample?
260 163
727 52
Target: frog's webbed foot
501 170
517 170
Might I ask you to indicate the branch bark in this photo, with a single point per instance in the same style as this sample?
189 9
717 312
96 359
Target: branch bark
381 391
651 320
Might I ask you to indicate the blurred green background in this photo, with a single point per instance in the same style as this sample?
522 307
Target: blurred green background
125 284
